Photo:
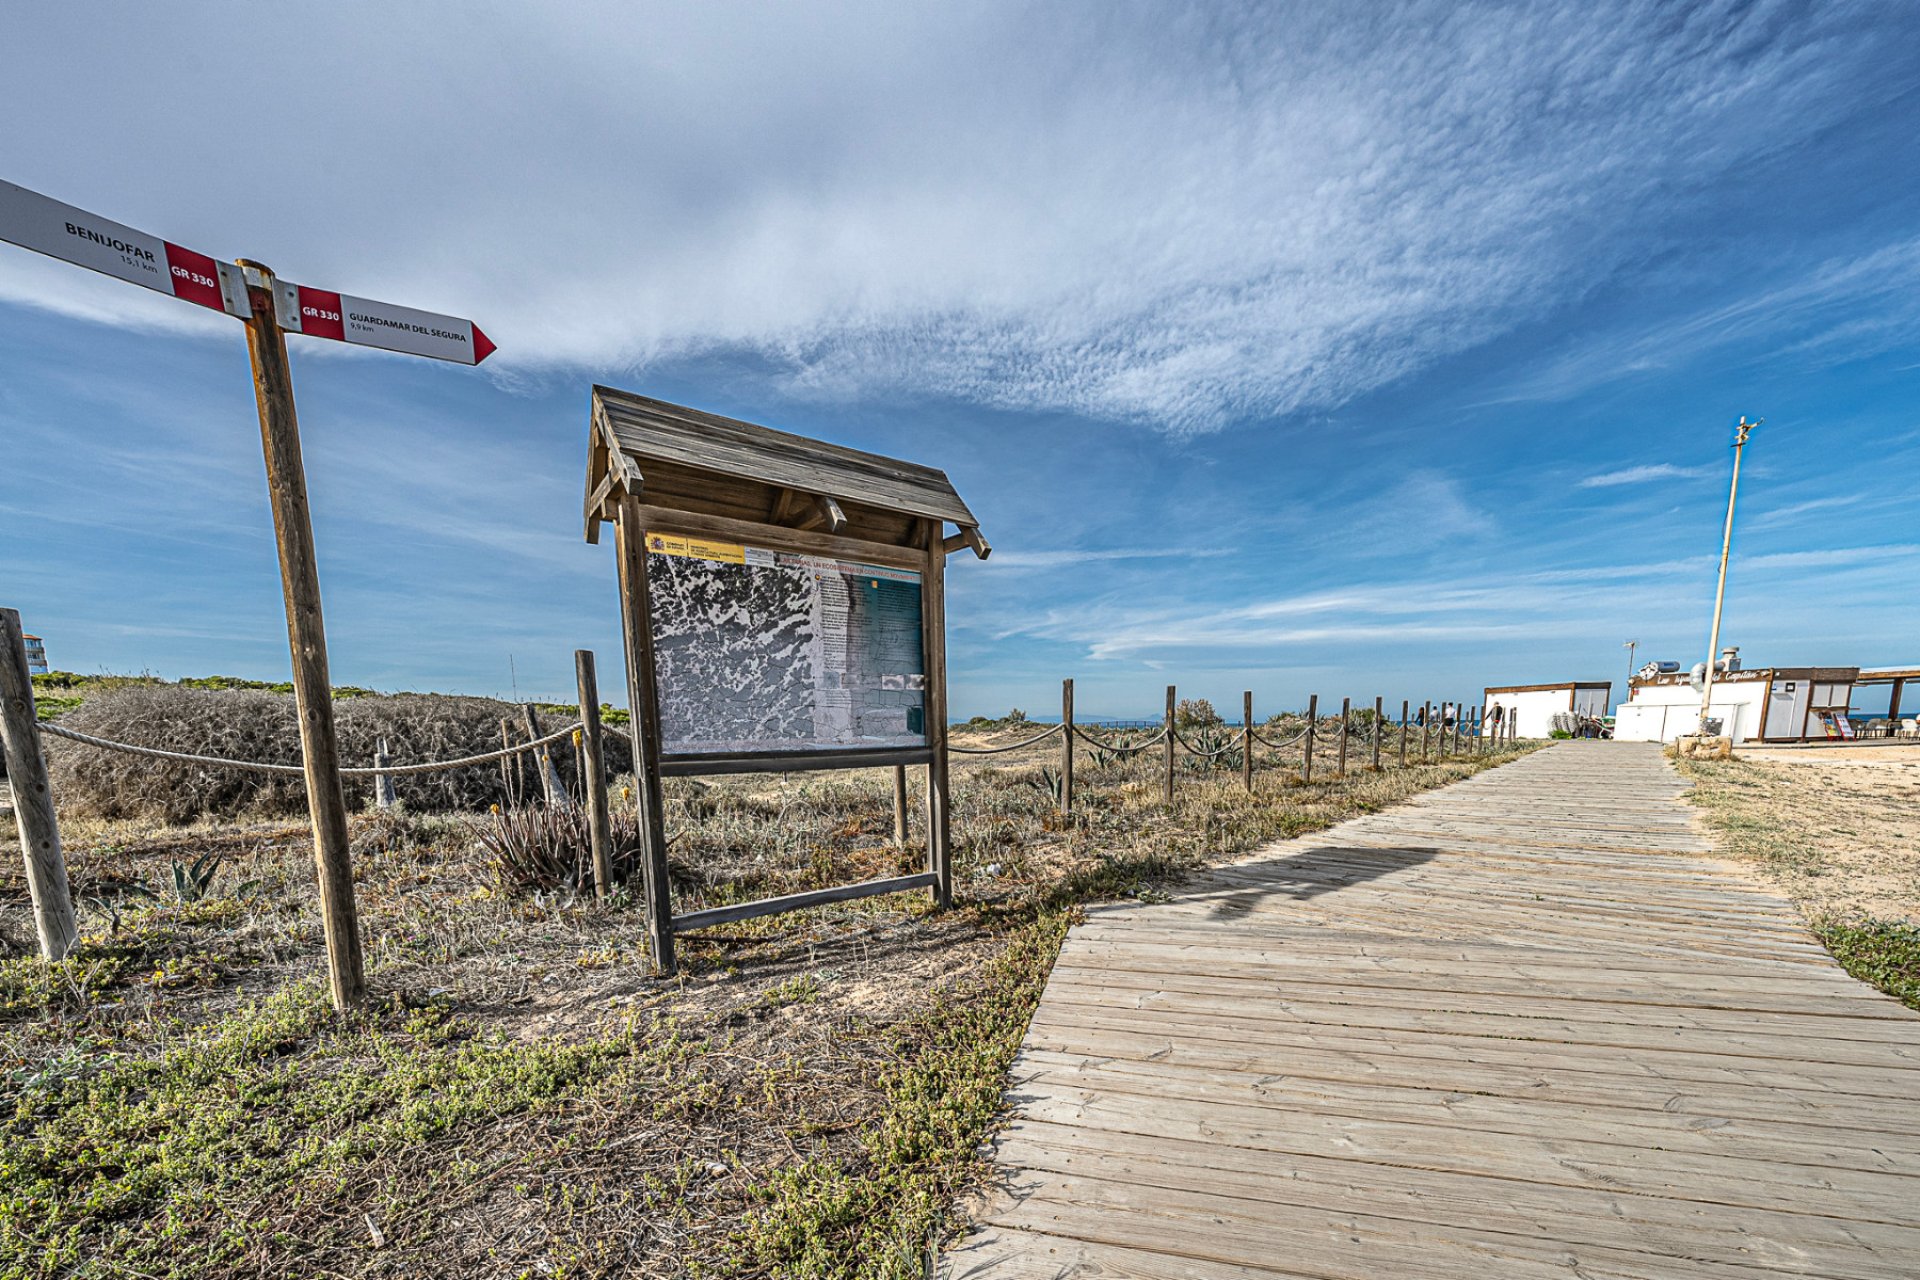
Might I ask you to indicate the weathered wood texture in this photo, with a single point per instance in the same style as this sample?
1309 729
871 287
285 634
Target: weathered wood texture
1525 1026
33 811
593 773
698 463
307 643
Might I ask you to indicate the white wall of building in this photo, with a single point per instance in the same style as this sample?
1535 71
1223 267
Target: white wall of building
1537 707
1661 713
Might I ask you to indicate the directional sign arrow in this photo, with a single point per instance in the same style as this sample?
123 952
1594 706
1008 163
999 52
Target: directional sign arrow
364 322
45 225
34 221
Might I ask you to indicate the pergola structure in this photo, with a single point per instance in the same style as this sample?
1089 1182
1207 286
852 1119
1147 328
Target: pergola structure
656 471
1895 676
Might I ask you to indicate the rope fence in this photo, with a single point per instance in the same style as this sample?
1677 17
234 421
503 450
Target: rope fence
1123 749
1012 746
261 766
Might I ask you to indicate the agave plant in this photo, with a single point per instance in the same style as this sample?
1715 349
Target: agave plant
541 848
193 882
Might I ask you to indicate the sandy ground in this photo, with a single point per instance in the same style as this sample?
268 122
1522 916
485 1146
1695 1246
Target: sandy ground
1838 830
1899 753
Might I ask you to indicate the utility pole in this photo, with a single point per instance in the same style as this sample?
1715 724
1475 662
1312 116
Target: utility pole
1740 433
1630 646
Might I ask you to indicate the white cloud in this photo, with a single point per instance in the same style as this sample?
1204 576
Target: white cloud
1177 216
1061 559
1641 474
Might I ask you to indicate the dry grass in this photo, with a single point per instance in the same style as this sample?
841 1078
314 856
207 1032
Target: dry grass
525 1098
261 726
1840 835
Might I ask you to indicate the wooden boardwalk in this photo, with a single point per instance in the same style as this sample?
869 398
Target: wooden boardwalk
1517 1028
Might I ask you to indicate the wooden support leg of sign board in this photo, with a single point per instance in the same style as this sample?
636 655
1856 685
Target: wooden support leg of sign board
1066 748
643 696
900 806
1168 727
1405 706
593 773
933 622
33 796
1313 728
1379 730
307 640
1346 718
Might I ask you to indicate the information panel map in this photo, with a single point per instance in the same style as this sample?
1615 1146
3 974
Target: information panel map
758 650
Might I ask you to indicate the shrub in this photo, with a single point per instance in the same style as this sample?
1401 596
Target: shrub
540 848
1195 713
257 725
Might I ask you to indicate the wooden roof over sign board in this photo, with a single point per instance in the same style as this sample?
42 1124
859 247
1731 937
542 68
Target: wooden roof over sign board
687 461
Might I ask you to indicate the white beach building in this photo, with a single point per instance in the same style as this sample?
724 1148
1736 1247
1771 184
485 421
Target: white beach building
1767 704
1536 704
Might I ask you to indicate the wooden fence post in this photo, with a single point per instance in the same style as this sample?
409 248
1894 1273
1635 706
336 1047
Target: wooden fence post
593 773
383 794
509 768
1313 720
551 785
1246 739
33 796
1405 705
1170 730
1426 728
1346 716
1066 748
900 805
1379 730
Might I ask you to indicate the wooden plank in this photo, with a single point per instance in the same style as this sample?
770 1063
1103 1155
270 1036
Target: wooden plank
689 766
799 901
747 533
647 428
1526 1025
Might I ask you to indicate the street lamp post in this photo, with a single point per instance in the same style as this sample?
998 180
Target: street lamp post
1741 432
1630 646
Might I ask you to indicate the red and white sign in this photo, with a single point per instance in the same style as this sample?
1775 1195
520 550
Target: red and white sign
34 221
366 323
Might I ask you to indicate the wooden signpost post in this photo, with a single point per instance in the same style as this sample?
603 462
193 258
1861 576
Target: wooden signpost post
271 308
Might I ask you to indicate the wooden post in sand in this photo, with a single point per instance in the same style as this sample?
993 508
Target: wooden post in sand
33 796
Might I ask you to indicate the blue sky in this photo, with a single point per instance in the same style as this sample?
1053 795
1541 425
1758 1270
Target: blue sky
1306 348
